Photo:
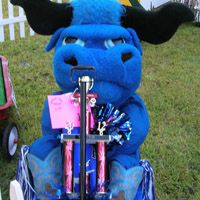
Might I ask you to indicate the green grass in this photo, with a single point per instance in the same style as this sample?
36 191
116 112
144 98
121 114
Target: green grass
170 88
171 91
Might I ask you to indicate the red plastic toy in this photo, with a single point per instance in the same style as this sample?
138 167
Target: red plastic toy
10 132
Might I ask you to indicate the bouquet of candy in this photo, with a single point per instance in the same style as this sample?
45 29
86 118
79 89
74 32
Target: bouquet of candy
113 122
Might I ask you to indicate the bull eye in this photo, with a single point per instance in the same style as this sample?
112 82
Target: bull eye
113 42
69 40
73 40
118 41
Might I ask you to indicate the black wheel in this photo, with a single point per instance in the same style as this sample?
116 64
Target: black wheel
10 139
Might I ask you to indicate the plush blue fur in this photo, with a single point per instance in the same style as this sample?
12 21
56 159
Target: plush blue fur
96 12
116 81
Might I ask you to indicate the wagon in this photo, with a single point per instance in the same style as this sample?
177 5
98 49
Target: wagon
10 132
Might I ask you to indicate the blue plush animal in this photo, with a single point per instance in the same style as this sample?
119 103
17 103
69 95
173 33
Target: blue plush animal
104 34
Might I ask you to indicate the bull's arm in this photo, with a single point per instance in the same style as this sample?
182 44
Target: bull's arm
140 121
137 112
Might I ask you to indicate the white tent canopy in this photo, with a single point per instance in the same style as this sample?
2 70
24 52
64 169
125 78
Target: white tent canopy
149 4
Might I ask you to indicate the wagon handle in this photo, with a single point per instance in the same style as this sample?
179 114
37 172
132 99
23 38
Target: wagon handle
81 68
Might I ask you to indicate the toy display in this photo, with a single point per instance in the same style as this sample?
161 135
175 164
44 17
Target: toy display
98 65
10 132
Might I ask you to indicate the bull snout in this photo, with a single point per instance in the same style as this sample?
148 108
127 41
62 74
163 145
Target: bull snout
117 70
115 65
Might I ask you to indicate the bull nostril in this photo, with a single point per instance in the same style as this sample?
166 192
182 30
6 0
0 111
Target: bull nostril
126 56
72 61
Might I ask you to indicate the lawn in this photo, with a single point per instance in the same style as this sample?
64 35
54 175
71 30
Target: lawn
170 89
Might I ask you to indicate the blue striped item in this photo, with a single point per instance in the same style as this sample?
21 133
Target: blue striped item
148 191
22 175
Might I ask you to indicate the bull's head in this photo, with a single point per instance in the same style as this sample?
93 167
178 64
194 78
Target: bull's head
104 34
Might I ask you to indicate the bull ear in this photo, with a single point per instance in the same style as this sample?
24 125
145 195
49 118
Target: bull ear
135 39
54 40
159 25
45 16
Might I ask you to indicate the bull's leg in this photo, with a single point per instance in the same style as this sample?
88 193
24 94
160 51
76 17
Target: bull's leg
45 164
124 183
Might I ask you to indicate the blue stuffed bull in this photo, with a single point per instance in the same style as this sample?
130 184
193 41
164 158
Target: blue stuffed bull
104 34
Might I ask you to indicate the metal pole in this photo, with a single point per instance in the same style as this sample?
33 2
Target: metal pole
83 91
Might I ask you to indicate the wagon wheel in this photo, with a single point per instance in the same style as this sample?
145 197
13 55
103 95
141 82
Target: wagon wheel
10 139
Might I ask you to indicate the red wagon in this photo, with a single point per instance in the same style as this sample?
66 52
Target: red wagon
10 132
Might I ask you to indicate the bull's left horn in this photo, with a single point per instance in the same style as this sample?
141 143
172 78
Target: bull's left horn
44 16
159 25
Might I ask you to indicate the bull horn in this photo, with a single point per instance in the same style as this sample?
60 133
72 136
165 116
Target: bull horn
44 16
159 25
